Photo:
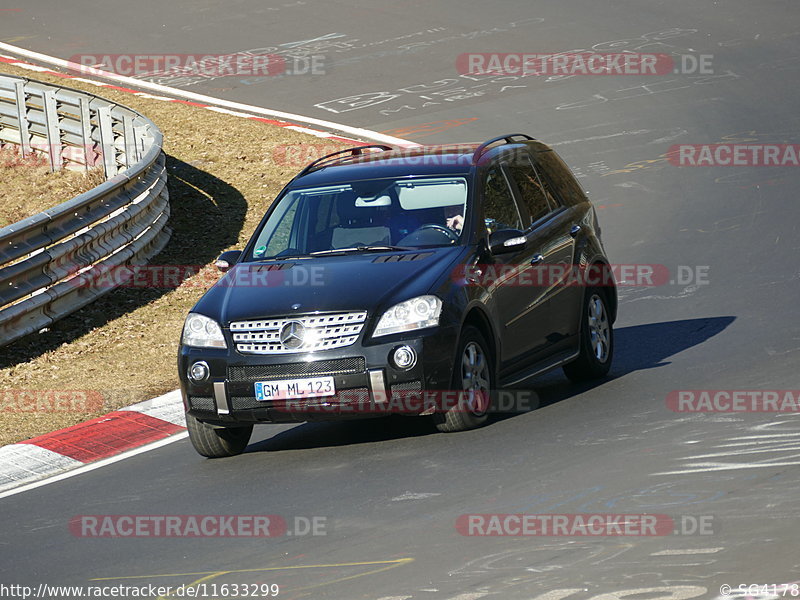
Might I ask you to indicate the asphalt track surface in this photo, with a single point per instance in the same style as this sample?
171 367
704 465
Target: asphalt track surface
391 490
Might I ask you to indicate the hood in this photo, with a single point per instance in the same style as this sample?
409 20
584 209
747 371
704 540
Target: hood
368 281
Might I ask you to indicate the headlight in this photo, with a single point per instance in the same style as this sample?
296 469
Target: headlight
416 313
202 332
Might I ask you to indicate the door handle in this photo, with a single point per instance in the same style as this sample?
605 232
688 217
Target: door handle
537 259
575 230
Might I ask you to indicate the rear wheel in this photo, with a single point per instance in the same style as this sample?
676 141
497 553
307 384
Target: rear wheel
597 339
217 442
473 374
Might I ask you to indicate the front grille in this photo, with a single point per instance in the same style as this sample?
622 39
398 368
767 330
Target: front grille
246 403
409 387
320 403
302 333
317 368
202 403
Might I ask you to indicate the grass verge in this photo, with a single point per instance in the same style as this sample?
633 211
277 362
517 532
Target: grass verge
27 186
224 172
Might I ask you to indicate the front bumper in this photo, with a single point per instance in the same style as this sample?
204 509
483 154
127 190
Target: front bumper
367 382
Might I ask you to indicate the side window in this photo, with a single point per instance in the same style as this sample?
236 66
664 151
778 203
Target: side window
281 236
499 209
555 172
533 191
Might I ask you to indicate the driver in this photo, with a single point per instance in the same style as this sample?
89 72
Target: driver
454 218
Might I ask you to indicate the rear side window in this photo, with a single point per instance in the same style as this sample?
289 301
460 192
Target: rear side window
499 209
555 173
533 192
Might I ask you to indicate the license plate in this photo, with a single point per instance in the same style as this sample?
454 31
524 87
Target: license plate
289 389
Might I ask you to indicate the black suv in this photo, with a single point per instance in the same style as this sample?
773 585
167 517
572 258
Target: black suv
422 280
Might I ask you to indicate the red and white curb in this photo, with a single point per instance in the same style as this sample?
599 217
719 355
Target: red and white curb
152 423
95 440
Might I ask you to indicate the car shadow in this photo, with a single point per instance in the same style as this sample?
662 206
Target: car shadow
206 216
346 433
638 347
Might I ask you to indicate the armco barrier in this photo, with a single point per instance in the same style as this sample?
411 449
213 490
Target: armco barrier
47 260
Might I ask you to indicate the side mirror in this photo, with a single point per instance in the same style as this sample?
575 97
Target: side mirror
506 240
227 259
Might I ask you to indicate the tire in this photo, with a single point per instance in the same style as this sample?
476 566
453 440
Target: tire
596 339
473 370
217 442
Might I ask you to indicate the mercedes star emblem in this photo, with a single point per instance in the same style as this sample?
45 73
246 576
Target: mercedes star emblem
292 335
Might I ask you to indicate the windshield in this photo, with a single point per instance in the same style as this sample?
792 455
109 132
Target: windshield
363 215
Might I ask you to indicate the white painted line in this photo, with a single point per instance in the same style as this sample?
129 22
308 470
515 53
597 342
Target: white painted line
95 465
766 436
708 467
66 64
760 442
414 496
687 551
744 451
27 463
559 594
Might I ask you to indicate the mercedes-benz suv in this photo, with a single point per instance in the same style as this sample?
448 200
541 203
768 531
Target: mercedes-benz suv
418 281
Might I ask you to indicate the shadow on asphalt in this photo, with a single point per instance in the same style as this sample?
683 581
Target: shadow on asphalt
637 348
345 433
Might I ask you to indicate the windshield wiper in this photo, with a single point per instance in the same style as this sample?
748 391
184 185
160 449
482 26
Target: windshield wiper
360 248
279 258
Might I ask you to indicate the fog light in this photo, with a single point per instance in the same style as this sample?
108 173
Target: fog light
404 357
199 371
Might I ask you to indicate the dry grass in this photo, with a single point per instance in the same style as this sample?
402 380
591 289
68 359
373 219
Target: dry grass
223 176
27 186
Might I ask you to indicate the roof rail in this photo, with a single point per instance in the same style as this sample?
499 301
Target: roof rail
508 139
355 151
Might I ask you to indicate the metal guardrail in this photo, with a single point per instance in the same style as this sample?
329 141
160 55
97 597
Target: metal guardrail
50 263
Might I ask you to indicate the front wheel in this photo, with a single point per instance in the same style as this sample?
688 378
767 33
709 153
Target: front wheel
217 442
596 339
473 376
